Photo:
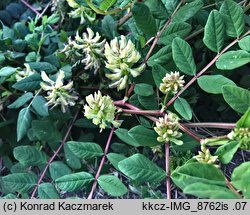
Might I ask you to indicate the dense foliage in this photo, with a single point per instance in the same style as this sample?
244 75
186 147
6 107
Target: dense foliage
124 98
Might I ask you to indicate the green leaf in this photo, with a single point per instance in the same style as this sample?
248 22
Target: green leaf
30 83
21 101
47 191
23 123
176 29
58 169
74 182
183 108
244 43
109 26
240 178
20 182
227 151
106 4
234 18
214 83
123 135
158 73
85 150
40 106
202 190
144 136
144 19
157 9
115 158
188 11
233 59
214 31
29 155
197 172
244 121
149 102
7 71
43 66
112 185
183 57
237 98
70 158
163 56
144 89
140 168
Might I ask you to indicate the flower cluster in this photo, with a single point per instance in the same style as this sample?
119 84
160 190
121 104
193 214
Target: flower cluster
58 6
204 156
21 74
81 12
58 94
121 56
168 129
172 83
241 135
89 45
101 110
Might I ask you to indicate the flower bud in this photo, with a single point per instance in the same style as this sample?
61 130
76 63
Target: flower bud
242 135
21 74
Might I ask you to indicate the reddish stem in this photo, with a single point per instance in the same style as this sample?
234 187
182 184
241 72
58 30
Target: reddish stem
205 69
210 125
143 112
55 154
30 7
168 182
190 133
102 161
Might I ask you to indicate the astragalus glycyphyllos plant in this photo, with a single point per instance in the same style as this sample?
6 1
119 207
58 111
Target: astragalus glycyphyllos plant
179 113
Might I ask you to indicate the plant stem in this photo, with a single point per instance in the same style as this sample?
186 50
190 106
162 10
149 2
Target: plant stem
55 154
143 112
102 161
99 11
30 7
231 187
194 34
210 125
205 69
168 182
190 133
125 18
161 31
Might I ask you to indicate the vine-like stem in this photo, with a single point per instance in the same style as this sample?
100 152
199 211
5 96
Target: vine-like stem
190 133
55 154
231 187
99 11
124 19
143 112
205 69
210 125
168 182
102 161
30 7
161 31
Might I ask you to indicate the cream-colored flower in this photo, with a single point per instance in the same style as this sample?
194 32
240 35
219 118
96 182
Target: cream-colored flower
172 83
87 49
58 93
204 156
100 109
242 135
168 129
21 74
121 56
81 12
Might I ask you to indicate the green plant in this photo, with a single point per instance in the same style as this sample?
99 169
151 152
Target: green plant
103 95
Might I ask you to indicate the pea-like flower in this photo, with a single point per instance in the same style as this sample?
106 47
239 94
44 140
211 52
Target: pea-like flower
81 12
101 110
172 83
168 129
121 56
58 93
204 156
242 135
24 73
90 46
